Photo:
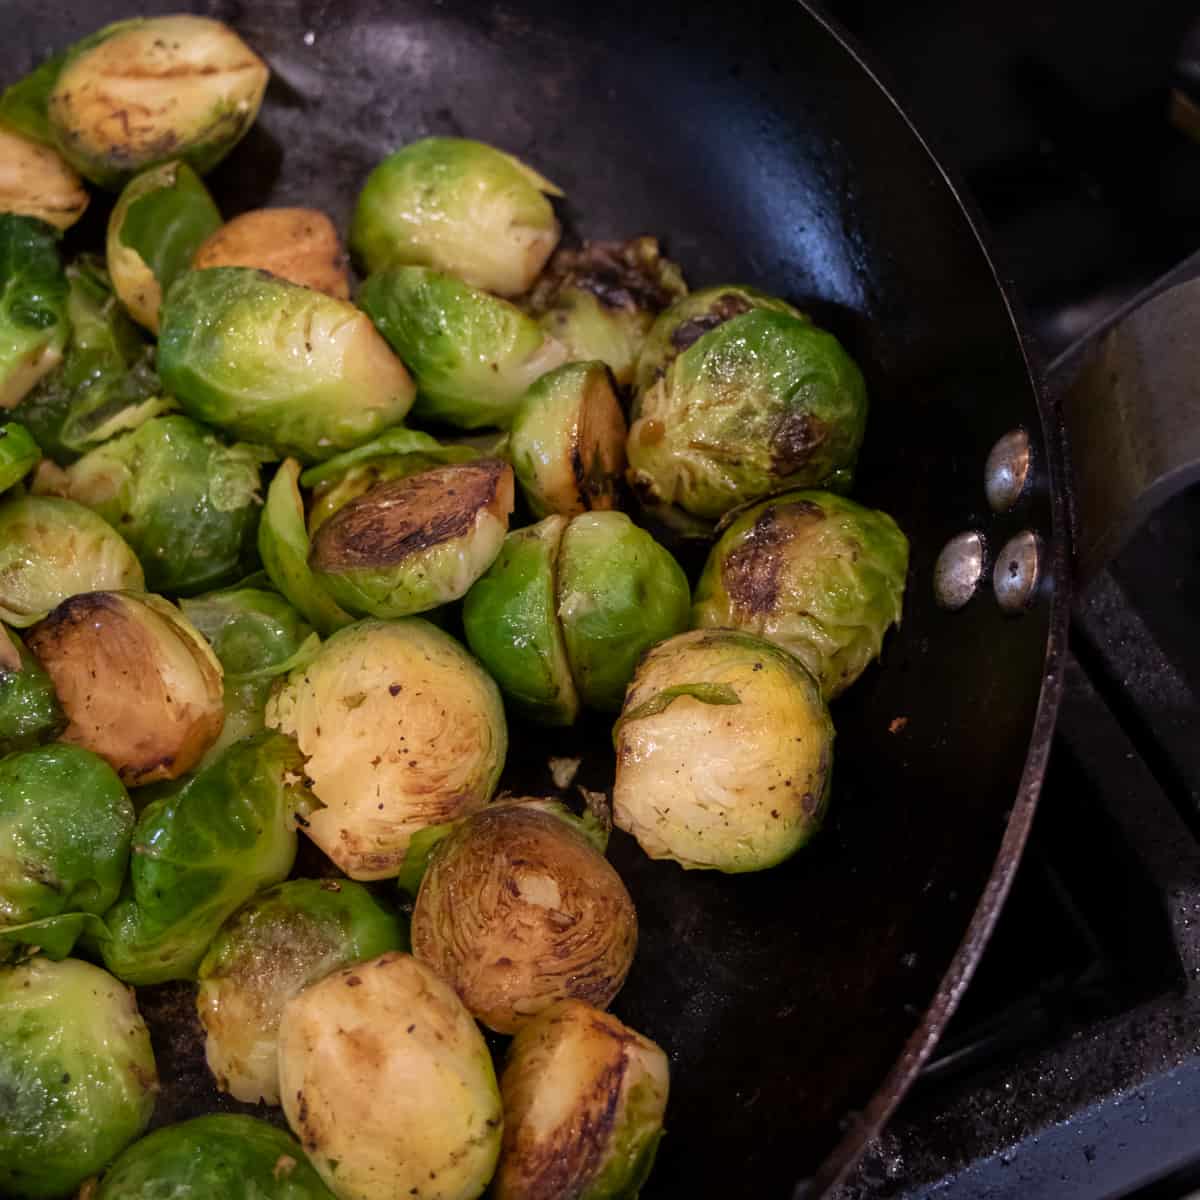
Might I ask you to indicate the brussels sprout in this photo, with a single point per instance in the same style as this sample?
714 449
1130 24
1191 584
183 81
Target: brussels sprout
200 854
19 454
297 244
159 221
265 954
388 1083
65 823
413 544
458 206
29 708
472 355
600 301
33 305
724 753
762 402
511 622
584 1098
77 1075
817 573
277 363
568 441
36 182
194 84
187 503
53 549
517 909
401 729
223 1156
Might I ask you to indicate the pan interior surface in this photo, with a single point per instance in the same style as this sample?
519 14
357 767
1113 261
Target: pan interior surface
759 150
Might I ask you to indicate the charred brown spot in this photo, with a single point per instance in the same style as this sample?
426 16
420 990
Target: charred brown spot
750 573
796 438
724 308
621 275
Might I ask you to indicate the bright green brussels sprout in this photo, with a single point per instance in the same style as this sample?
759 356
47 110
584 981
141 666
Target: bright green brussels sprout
284 547
200 854
518 909
65 823
458 206
29 707
568 441
195 86
187 503
584 1099
51 549
600 301
511 623
33 305
35 181
389 1084
159 222
413 544
19 454
267 952
815 572
277 363
224 1156
77 1075
400 728
724 753
472 354
762 402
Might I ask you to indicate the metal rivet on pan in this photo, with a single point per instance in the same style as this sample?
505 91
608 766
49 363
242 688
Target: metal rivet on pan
958 569
1017 571
1007 470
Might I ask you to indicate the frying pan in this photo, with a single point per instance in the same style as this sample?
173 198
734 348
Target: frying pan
796 1005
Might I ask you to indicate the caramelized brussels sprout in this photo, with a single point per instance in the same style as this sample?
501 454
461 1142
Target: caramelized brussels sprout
413 544
817 573
36 182
139 685
33 305
568 441
401 729
461 207
77 1075
29 708
19 454
472 354
724 753
297 244
159 221
584 1098
193 87
276 363
388 1083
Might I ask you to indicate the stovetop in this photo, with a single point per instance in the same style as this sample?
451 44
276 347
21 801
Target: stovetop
1072 1068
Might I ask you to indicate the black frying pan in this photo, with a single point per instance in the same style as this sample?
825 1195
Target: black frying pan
798 1004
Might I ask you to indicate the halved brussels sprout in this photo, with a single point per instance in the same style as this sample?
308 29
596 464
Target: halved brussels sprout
297 244
77 1075
52 549
33 305
267 952
584 1099
29 707
817 573
159 221
518 909
401 729
142 91
568 441
511 623
223 1156
413 544
19 454
388 1083
277 363
200 854
472 354
139 685
724 753
600 301
763 402
35 181
458 206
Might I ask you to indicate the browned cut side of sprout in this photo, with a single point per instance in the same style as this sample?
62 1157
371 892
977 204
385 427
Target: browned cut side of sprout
36 181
